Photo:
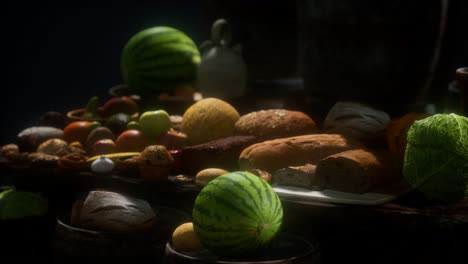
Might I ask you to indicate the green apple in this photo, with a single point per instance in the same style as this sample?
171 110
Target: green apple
154 123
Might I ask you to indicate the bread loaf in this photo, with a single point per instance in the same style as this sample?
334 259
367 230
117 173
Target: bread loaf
357 120
221 153
114 212
357 170
30 138
280 153
275 123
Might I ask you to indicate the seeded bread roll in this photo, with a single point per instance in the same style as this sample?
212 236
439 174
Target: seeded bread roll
357 170
272 155
275 123
114 212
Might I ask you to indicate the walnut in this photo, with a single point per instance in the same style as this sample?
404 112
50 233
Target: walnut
73 162
9 149
54 146
42 159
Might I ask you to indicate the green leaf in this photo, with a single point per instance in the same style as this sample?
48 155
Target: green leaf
91 110
18 204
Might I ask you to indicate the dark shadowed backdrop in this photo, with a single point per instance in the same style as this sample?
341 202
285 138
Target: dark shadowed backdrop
55 57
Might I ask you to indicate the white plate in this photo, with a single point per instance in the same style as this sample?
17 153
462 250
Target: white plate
332 196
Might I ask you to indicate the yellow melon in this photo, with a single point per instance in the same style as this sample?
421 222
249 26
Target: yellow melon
209 119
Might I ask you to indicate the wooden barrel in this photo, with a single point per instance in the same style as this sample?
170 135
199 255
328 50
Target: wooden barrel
286 248
70 241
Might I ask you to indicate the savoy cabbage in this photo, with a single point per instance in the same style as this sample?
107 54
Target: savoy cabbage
436 157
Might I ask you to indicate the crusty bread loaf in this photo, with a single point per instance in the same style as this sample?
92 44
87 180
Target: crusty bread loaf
221 153
114 212
357 170
275 123
280 153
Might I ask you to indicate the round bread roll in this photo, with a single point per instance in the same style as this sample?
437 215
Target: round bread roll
275 123
115 212
203 177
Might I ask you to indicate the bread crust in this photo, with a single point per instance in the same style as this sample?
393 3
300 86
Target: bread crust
275 123
114 212
272 155
357 170
221 153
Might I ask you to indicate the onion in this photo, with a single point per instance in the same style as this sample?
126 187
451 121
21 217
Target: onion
103 165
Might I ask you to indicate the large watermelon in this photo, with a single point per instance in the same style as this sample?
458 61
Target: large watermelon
236 214
158 59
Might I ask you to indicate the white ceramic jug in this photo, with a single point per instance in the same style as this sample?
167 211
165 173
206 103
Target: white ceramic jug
222 72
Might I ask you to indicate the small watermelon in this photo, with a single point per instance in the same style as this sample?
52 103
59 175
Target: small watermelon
159 59
236 214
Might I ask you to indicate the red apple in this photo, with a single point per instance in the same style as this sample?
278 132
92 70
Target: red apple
172 139
104 146
131 140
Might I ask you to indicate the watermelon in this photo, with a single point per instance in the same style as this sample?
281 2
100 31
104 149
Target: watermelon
159 59
237 214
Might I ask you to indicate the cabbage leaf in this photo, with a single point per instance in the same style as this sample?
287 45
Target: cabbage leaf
436 157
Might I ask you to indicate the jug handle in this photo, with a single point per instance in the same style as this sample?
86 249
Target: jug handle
221 33
205 46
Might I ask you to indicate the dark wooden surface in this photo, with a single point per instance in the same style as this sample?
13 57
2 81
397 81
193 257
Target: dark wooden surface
408 229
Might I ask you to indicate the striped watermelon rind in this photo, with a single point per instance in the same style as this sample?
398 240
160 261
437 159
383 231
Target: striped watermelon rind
236 214
158 59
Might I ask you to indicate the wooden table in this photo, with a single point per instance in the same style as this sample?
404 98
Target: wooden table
408 229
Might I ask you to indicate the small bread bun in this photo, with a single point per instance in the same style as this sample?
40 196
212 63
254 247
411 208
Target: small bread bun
203 177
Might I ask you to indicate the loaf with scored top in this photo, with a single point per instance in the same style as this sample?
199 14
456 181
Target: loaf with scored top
115 212
275 123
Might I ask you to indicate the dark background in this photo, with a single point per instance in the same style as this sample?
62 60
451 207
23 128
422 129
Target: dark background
55 57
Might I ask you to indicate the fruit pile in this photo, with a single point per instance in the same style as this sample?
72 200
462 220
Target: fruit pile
156 63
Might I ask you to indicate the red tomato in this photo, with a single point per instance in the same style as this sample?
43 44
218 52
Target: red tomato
77 131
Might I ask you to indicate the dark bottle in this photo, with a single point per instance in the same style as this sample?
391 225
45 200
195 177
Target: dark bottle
462 79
